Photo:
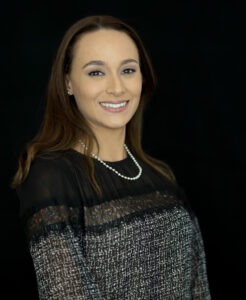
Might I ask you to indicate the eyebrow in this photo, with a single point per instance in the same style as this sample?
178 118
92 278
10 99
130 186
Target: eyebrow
102 63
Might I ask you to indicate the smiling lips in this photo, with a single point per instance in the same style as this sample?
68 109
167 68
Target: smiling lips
116 106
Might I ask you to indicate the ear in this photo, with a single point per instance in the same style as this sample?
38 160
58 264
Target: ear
69 85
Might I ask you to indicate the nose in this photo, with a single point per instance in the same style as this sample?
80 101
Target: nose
115 86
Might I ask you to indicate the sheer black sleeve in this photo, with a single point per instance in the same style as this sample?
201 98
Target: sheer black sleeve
53 220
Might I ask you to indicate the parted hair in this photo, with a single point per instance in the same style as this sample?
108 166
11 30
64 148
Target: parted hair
63 124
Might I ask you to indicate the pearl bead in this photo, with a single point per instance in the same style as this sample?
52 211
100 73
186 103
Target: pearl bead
112 169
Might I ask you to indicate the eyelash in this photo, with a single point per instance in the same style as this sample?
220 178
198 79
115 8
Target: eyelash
95 73
129 70
126 71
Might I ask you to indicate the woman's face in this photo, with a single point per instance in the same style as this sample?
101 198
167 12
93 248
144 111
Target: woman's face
105 79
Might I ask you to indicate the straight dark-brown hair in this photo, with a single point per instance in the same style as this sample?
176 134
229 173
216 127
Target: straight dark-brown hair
63 124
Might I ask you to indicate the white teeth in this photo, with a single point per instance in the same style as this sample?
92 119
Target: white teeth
113 105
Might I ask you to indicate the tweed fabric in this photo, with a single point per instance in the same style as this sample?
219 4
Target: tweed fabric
140 240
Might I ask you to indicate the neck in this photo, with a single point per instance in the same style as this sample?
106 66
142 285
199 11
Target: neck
111 145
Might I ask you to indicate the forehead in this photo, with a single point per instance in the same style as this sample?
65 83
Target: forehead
105 44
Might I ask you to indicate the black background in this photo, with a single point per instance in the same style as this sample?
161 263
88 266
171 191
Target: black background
194 122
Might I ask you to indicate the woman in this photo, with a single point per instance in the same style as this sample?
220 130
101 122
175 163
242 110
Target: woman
103 219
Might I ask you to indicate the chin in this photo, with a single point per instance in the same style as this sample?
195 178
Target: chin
117 124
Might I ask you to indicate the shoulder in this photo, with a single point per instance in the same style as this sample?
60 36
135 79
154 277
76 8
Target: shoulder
50 181
48 169
169 184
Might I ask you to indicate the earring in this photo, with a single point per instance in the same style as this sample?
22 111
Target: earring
69 93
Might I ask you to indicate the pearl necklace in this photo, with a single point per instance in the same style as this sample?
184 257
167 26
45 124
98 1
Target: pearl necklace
112 169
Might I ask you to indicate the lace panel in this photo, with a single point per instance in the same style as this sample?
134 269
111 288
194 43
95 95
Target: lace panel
115 209
51 216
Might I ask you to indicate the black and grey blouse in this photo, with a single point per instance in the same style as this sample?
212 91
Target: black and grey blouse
139 240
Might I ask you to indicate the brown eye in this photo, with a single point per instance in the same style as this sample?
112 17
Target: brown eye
95 73
129 71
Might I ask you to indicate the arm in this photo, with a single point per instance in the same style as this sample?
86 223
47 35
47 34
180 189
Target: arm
57 254
200 283
52 216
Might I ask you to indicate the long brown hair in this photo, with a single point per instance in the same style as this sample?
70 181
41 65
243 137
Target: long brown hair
63 123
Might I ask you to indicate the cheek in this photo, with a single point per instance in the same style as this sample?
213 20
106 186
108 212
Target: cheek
87 90
135 86
138 85
136 92
137 89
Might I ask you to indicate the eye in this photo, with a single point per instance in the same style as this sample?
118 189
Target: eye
95 73
129 71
